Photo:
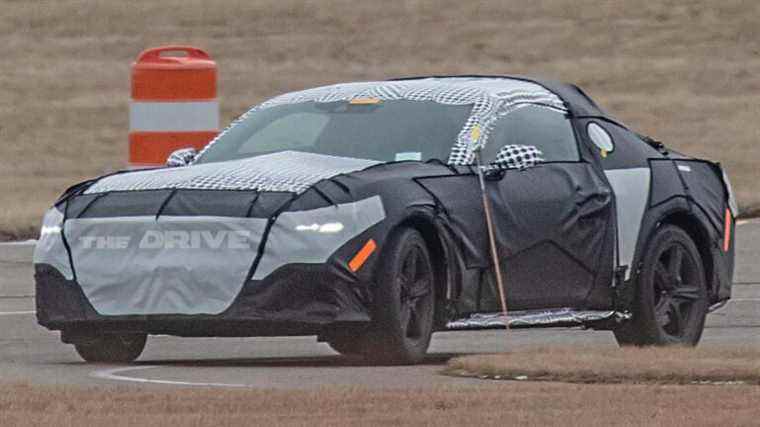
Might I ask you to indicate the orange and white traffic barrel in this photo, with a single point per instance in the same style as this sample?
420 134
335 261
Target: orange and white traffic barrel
174 103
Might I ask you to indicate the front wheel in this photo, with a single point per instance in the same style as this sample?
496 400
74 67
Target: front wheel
404 302
112 348
671 302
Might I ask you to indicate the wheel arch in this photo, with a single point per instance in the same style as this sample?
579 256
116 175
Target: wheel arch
439 255
698 232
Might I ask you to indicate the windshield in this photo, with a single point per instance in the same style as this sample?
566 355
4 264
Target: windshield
366 129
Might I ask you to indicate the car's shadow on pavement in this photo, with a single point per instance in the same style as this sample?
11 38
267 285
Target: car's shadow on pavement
287 362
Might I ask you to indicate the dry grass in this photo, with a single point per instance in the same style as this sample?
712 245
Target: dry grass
684 71
503 403
629 365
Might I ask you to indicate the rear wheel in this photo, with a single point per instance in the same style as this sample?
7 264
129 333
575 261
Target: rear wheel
404 303
112 348
671 303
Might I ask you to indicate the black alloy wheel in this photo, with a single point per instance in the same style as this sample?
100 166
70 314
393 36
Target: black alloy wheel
404 303
678 291
672 301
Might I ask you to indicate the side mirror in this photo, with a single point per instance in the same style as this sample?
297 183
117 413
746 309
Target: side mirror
181 157
516 157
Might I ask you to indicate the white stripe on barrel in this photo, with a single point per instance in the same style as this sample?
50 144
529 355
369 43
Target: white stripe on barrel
173 116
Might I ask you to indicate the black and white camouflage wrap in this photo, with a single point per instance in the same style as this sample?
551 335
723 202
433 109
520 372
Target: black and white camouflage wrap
181 157
517 157
291 171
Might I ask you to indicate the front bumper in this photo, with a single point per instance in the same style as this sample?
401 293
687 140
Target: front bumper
110 262
295 300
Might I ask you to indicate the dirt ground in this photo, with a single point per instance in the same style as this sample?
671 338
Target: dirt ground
496 403
683 71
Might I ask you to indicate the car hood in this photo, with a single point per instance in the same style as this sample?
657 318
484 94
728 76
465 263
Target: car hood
289 171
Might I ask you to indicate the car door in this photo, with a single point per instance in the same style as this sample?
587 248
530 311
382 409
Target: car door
553 221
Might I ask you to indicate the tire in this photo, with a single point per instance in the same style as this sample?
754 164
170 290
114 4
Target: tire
671 294
112 348
403 308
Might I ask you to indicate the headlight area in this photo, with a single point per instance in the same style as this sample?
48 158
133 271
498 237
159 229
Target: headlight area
329 227
312 236
50 248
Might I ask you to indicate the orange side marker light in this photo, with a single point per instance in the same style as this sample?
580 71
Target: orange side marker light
727 232
361 257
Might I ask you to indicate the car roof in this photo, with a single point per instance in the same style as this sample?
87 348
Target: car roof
575 99
485 92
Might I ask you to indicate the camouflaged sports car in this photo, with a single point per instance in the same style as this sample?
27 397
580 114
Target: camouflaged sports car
354 212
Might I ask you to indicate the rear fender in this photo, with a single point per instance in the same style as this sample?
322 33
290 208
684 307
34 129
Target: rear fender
717 263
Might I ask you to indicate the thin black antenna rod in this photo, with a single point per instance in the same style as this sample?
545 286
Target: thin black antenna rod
492 240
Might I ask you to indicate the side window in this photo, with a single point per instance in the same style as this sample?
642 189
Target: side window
547 130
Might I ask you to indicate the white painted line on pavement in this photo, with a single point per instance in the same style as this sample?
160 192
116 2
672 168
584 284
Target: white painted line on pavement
29 242
748 221
111 374
15 313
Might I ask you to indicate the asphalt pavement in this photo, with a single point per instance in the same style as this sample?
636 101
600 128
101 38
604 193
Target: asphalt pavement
32 354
